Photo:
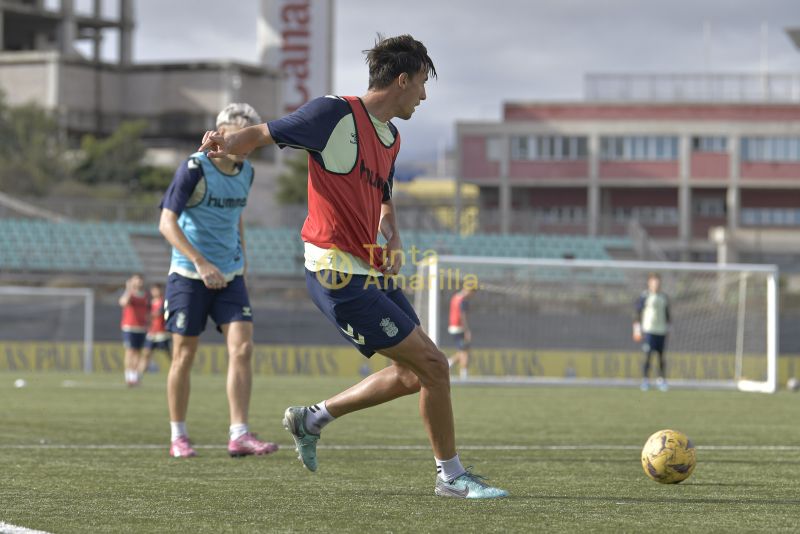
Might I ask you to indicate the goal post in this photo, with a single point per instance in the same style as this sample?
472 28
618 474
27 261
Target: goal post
57 314
568 322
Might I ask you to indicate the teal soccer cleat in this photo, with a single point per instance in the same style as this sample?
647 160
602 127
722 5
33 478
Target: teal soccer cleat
468 486
305 442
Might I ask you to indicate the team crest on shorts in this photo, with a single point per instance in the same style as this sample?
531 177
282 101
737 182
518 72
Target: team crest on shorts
180 320
389 327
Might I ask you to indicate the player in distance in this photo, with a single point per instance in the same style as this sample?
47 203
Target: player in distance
650 328
459 328
158 338
133 302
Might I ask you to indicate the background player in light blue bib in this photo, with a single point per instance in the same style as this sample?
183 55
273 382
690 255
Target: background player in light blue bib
201 217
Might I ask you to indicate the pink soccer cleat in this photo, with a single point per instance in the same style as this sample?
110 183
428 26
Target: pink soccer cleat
248 444
181 448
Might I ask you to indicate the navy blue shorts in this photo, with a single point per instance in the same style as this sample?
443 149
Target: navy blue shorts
133 340
654 343
189 303
461 343
165 345
372 313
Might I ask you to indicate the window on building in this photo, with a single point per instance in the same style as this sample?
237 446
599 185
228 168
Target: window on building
561 214
520 148
709 207
770 217
771 149
709 144
494 149
647 215
639 148
548 148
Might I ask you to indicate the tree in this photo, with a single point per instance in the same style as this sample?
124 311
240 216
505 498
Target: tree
31 151
293 184
114 159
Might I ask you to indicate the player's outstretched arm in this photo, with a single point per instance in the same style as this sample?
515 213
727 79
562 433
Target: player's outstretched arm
168 226
242 142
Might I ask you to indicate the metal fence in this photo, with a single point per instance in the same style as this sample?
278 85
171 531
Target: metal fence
697 87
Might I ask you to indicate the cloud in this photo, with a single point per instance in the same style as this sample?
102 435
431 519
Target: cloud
490 52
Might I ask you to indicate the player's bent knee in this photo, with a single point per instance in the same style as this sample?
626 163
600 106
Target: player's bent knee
436 369
408 379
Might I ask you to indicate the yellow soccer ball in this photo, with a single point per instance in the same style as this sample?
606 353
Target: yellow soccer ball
668 457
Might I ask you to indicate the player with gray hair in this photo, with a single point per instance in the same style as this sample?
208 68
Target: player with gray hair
201 217
238 114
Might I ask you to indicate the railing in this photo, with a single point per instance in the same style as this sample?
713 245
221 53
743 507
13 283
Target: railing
646 249
697 87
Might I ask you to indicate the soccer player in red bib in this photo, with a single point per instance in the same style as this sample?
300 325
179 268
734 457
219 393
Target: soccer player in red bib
158 338
134 326
352 147
458 327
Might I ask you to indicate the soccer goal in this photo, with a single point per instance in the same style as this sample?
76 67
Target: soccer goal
569 322
46 328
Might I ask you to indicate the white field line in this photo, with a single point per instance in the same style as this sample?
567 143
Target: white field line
6 528
143 446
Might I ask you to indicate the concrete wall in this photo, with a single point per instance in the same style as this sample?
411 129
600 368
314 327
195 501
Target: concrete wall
549 169
476 163
26 81
707 165
166 94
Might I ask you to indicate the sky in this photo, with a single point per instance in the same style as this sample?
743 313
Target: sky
490 52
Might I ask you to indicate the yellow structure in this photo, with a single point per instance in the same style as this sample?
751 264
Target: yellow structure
343 361
440 192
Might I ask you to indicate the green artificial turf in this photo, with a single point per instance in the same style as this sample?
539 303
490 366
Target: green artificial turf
59 474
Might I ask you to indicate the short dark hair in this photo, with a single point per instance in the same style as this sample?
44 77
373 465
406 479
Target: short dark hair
392 56
653 275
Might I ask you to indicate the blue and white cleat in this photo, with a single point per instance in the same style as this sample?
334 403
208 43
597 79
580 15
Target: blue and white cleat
468 486
305 442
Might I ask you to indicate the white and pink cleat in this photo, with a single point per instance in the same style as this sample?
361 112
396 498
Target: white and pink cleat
181 448
248 444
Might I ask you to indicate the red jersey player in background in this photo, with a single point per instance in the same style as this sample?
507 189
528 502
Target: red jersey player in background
135 309
157 336
458 327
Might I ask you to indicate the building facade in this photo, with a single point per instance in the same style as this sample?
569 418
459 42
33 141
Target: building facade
678 168
42 62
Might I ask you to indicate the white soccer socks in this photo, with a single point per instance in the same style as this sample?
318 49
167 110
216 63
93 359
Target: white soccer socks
448 470
177 429
238 430
317 417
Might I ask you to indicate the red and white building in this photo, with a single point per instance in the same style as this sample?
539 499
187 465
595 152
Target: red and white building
646 148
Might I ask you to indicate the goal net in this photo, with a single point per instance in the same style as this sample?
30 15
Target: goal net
569 322
46 328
